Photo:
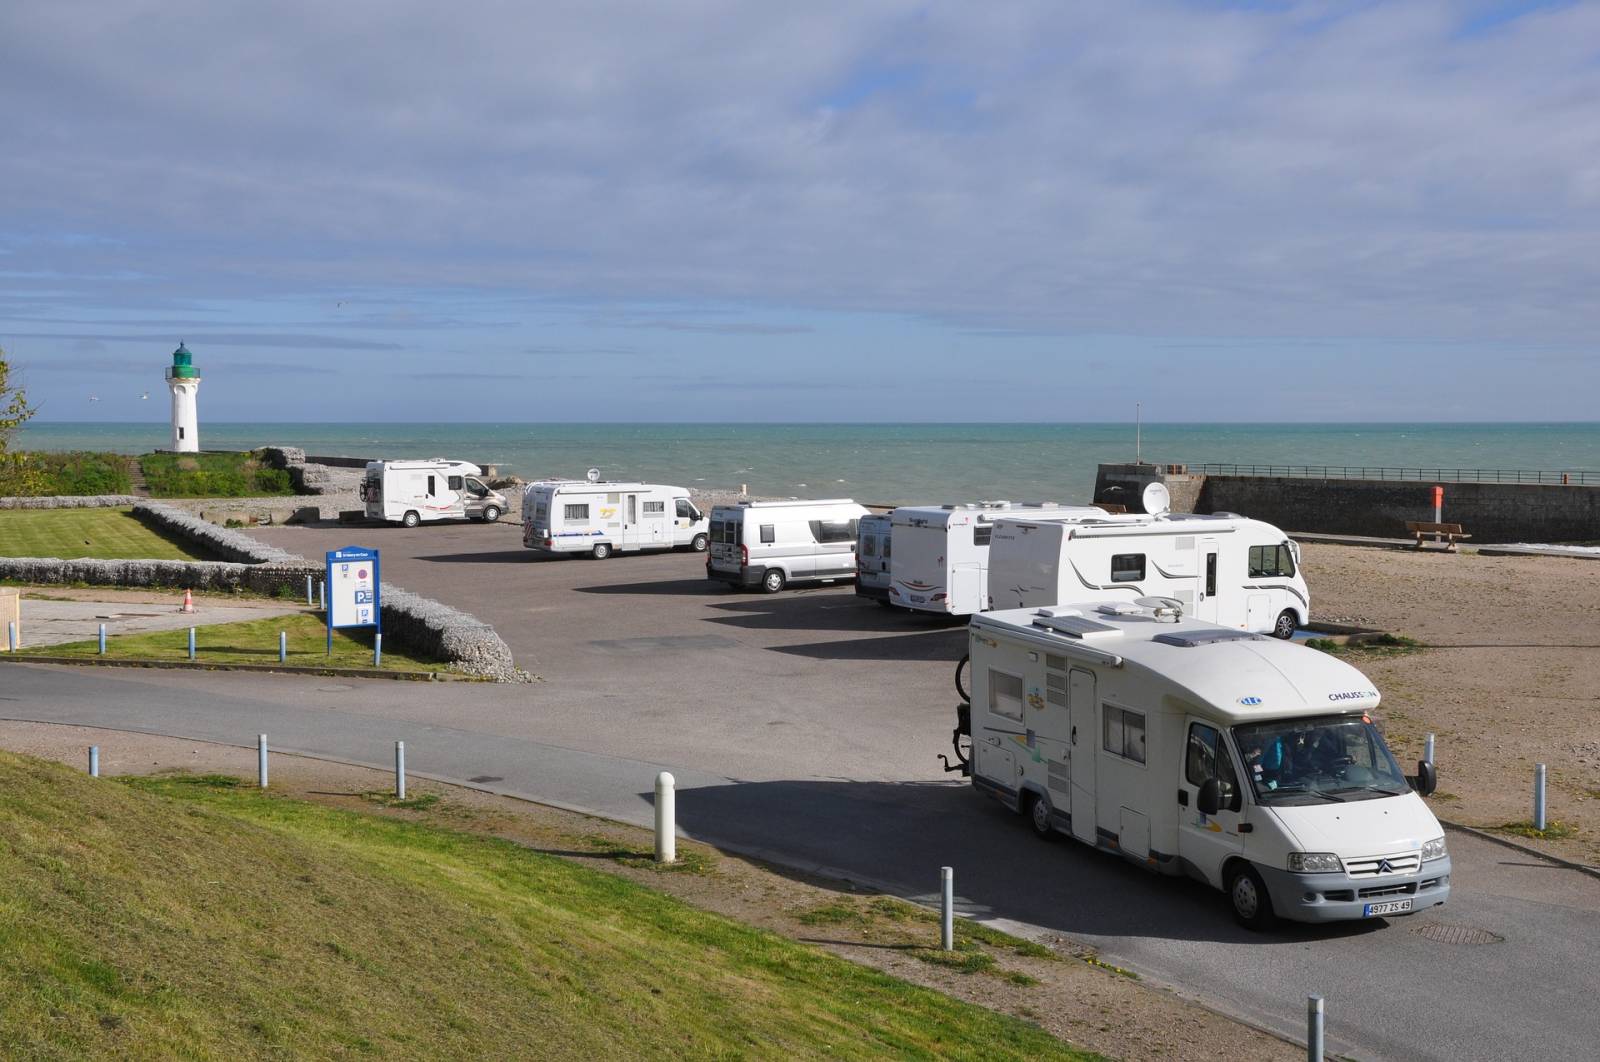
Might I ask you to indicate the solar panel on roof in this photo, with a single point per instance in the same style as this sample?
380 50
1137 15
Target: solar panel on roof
1074 626
1190 639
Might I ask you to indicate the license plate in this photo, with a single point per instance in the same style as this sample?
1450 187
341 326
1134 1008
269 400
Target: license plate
918 599
1391 907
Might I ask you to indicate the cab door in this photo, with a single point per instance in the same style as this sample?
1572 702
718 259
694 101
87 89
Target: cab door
1207 841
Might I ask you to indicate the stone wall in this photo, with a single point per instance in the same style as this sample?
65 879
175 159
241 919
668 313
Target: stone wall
70 501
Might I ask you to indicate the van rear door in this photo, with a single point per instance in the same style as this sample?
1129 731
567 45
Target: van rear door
727 535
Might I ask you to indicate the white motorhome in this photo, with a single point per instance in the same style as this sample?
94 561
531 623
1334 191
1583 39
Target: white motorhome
1188 748
873 557
941 552
409 492
598 518
1224 568
772 544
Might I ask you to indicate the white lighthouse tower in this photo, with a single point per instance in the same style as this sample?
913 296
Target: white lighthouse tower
183 380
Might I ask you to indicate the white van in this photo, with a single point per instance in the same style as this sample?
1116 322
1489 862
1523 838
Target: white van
1248 763
773 544
1224 568
873 557
409 492
941 552
597 518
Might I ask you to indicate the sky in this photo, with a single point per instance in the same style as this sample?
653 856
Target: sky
508 211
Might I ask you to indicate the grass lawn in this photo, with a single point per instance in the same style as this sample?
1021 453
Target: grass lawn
105 534
187 916
219 475
255 642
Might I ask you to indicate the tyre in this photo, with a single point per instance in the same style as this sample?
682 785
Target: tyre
1286 624
491 514
411 519
772 581
961 667
1039 815
700 543
1252 907
601 550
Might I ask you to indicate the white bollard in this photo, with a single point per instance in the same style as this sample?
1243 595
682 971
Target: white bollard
191 643
399 770
947 908
94 761
377 650
666 814
1427 749
283 647
1538 797
310 598
11 635
261 759
322 596
102 639
1314 1029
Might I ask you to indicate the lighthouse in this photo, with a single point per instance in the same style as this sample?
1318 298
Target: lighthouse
183 380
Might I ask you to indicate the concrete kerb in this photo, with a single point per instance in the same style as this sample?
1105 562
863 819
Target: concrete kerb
1516 846
202 665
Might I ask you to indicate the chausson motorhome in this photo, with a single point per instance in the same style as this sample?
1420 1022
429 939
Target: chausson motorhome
941 552
773 544
597 518
873 556
409 492
1224 568
1249 763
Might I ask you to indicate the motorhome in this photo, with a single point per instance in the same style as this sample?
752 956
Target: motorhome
873 554
1224 568
776 543
941 552
598 518
1251 764
410 492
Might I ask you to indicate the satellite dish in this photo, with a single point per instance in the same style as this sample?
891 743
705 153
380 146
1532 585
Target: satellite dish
593 475
1155 499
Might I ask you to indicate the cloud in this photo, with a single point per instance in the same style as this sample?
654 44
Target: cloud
556 350
722 328
223 339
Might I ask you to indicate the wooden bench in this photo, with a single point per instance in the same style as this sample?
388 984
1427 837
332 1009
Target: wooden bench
1449 534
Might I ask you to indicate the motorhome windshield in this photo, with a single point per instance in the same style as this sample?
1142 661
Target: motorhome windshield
1323 759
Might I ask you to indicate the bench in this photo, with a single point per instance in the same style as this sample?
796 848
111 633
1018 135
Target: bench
1449 534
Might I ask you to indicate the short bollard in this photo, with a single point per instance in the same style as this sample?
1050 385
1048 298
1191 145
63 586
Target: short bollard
310 598
1427 749
377 650
1538 797
1314 1030
322 596
283 647
666 813
191 643
261 759
11 635
94 761
102 639
399 770
947 908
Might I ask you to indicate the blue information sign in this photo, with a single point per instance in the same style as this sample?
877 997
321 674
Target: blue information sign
353 590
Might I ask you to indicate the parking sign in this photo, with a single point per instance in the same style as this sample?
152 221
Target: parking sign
353 589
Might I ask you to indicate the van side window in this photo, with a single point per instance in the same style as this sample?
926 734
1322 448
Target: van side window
981 534
655 508
1005 694
430 486
577 512
454 482
1124 733
1207 757
1269 561
1127 567
685 510
833 530
769 533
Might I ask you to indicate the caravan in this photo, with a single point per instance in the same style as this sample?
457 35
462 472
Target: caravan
1224 568
589 516
1251 764
409 492
941 552
772 544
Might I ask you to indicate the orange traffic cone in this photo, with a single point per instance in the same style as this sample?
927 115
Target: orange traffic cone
188 602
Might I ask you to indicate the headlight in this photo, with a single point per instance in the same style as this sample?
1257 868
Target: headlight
1434 849
1314 863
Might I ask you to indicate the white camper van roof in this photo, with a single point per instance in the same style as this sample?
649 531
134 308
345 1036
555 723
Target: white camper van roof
586 486
962 512
791 503
417 464
1236 675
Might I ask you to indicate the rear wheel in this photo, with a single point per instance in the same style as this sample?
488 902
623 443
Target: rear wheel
601 550
411 519
491 514
1252 907
699 544
773 580
1039 816
1286 624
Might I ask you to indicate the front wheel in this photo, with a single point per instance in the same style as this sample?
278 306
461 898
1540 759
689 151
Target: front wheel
491 514
700 543
601 551
1286 624
1252 907
411 519
1039 817
772 581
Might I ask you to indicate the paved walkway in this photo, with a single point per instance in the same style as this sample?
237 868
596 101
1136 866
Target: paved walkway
59 622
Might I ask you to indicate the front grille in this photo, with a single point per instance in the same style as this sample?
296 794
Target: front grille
1379 891
1372 866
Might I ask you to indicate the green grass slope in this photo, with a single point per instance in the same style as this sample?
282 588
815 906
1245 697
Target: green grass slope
105 534
187 918
212 475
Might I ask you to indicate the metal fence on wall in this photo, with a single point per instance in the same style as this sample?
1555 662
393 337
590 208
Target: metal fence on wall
1419 475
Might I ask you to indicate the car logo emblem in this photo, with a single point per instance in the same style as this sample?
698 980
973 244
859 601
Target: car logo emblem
1385 867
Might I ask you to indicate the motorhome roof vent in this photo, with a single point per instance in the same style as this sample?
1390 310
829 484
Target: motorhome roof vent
1002 504
1119 608
1191 639
1072 625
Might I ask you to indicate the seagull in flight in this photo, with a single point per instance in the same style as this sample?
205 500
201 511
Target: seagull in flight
145 397
94 398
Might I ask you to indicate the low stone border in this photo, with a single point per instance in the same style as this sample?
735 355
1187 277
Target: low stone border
221 541
71 501
201 665
437 629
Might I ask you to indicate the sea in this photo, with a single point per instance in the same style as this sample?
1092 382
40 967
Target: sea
880 463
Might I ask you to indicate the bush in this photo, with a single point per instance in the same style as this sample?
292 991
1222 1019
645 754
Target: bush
223 475
79 472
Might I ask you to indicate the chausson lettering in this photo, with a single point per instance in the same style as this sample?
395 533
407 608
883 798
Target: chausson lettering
1352 695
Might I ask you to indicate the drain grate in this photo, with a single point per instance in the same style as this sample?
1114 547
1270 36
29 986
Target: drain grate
1446 933
481 778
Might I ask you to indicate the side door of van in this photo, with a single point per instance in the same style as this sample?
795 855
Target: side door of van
1207 841
654 530
834 555
1084 741
1208 585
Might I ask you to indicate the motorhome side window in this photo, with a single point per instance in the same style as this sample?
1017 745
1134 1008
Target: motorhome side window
833 530
1207 757
455 482
769 533
981 534
1269 561
1127 567
1005 694
577 512
430 486
1124 733
655 508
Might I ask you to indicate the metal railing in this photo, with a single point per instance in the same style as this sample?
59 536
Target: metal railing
1435 475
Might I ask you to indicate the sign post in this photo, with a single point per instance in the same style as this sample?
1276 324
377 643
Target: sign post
354 590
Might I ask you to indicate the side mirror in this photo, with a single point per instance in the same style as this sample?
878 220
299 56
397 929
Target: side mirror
1209 800
1427 779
